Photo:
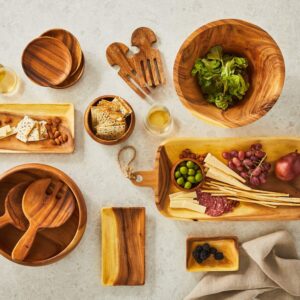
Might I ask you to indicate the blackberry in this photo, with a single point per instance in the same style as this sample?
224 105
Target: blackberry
213 250
206 247
219 256
204 254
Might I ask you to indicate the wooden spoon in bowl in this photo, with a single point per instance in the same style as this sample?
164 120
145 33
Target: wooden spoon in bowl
13 208
46 204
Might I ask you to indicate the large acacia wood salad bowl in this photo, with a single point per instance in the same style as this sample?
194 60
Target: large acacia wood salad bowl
266 71
159 179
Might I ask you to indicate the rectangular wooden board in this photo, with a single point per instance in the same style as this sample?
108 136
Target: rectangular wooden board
38 112
123 245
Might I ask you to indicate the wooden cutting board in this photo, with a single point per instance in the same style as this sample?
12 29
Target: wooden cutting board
123 246
38 112
168 153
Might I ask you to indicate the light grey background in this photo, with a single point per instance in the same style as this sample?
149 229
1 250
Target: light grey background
94 167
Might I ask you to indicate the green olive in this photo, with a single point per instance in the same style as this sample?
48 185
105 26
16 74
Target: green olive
191 172
198 177
183 170
180 181
191 179
177 174
187 185
198 171
190 164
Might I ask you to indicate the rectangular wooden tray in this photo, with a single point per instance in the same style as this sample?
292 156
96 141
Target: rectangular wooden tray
38 112
123 245
168 154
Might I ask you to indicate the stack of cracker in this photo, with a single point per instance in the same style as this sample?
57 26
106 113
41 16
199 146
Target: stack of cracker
109 118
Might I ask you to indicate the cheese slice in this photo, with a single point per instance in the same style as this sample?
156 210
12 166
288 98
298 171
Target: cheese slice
11 131
212 161
4 130
191 205
24 128
43 130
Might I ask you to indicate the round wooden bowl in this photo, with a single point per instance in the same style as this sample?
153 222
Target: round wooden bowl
173 179
266 71
50 245
47 61
130 120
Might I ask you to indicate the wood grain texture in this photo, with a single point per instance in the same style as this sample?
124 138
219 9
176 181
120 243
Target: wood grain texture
266 71
123 246
228 245
47 61
51 244
13 207
46 204
116 54
168 153
147 61
70 42
130 122
38 112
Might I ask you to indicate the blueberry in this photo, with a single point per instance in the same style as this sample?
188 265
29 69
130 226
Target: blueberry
213 250
219 256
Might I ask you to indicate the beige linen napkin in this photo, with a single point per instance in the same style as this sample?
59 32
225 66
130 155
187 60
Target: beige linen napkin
269 269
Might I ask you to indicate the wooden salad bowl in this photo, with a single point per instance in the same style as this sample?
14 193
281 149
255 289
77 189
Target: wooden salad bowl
50 245
167 155
130 120
266 71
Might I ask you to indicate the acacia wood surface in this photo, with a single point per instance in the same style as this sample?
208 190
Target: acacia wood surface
147 62
50 244
168 154
38 112
266 71
47 61
123 246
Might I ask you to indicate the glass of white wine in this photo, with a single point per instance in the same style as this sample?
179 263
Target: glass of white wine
158 120
8 81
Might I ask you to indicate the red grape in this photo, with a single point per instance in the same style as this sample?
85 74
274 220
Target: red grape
263 178
248 153
254 180
241 155
236 161
231 165
256 171
234 153
247 162
226 155
244 175
259 154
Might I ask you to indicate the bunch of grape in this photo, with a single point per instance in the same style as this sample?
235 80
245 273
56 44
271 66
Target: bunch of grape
250 164
187 153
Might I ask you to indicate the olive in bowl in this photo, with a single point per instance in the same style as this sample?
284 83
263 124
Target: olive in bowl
187 174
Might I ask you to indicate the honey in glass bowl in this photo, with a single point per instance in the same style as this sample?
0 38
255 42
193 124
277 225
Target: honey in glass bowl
8 81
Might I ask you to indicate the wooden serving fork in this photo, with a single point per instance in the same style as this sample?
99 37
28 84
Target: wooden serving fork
147 61
116 54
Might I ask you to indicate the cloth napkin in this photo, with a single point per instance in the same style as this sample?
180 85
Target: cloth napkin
269 269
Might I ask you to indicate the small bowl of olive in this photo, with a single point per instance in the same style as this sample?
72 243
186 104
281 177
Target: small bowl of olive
187 174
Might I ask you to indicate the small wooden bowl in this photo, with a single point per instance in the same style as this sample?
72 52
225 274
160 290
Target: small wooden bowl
50 245
173 179
227 245
266 71
47 61
130 120
71 43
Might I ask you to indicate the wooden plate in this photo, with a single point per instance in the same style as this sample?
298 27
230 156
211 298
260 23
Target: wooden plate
168 153
38 112
72 44
47 61
72 79
50 244
130 120
266 71
227 245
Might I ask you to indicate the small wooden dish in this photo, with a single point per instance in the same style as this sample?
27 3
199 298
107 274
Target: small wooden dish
47 61
71 43
130 120
266 71
227 245
50 245
173 179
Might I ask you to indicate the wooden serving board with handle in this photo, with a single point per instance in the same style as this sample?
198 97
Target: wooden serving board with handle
38 112
159 179
123 245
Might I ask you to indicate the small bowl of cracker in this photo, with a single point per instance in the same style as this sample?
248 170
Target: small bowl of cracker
109 120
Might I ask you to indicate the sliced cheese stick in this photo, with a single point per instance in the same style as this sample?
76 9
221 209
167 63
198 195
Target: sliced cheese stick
212 161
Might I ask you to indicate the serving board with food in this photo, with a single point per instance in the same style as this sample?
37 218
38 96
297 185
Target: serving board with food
36 128
253 178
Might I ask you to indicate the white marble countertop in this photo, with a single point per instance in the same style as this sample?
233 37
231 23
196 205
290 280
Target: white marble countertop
94 167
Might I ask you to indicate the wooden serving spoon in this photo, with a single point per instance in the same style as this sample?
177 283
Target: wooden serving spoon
46 204
13 208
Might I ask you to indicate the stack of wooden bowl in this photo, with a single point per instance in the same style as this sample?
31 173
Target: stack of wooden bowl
54 59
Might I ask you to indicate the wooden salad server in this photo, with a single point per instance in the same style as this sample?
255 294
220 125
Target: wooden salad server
147 61
116 54
13 208
46 204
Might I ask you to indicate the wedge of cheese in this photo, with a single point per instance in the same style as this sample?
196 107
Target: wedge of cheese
6 131
24 128
187 204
